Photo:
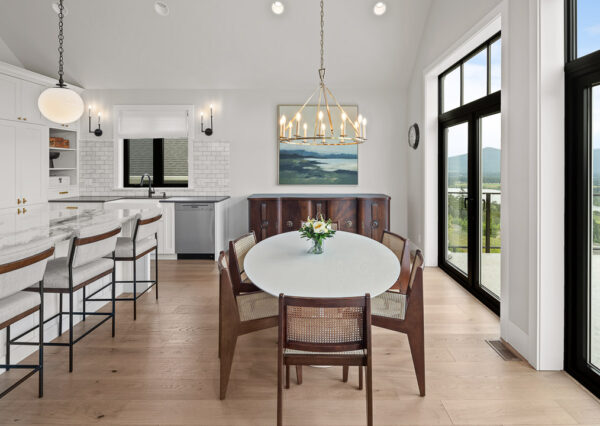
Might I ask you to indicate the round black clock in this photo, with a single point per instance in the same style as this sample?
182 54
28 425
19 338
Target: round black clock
413 136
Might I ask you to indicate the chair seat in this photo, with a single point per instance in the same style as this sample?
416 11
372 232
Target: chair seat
257 305
57 272
15 305
390 304
245 279
359 352
125 246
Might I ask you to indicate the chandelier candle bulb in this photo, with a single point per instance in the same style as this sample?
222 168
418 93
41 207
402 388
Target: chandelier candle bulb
298 117
364 128
290 132
282 126
305 128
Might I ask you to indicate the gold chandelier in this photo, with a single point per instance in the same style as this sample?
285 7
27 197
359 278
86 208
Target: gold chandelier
295 131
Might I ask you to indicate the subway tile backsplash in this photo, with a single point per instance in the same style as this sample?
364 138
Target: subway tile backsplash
210 175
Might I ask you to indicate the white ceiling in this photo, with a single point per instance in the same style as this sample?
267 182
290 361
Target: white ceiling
217 44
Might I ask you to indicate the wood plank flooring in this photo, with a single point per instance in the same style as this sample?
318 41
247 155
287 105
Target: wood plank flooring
163 369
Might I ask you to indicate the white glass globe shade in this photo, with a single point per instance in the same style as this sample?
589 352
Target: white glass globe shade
60 105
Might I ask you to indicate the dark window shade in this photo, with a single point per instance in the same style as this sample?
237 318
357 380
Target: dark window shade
165 160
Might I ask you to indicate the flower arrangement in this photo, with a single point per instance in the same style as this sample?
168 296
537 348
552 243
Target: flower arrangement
317 231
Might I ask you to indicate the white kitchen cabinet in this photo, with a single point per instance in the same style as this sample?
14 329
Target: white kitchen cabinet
28 102
23 164
9 97
166 230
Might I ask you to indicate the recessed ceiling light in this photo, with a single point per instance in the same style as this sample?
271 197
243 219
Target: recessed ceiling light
277 8
161 8
379 8
57 10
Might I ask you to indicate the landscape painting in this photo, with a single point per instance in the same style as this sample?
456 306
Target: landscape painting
314 164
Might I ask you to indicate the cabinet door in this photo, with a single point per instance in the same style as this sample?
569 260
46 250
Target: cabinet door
264 218
166 229
294 212
32 158
8 169
28 102
343 214
373 217
9 96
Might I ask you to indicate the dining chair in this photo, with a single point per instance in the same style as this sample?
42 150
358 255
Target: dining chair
20 267
239 314
324 331
401 309
238 249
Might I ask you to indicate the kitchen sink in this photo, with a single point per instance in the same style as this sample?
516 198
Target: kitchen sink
145 197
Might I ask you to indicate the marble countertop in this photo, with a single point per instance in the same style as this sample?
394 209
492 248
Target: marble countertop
58 225
168 199
198 199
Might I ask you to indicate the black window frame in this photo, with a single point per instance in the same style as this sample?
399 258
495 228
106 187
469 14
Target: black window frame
157 166
470 113
581 74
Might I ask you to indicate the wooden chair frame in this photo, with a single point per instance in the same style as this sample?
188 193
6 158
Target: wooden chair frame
39 368
236 269
325 359
231 326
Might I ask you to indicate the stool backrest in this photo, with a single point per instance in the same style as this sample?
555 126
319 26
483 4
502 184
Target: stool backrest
147 224
94 242
325 324
23 266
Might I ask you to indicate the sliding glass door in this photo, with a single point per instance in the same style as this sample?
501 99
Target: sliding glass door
469 188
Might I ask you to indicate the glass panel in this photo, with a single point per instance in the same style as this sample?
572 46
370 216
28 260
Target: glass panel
588 27
491 200
140 159
475 77
451 90
495 65
175 158
457 166
595 228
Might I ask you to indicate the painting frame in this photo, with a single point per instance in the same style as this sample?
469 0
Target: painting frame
351 177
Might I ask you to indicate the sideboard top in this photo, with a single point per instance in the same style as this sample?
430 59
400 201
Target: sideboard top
315 196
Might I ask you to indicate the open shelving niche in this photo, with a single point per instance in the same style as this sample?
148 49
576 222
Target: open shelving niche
67 163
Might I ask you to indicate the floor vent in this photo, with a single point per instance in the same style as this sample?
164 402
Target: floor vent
502 350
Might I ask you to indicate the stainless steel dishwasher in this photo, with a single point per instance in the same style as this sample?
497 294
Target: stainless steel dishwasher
195 230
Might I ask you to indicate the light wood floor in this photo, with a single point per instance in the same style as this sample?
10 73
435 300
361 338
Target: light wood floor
163 369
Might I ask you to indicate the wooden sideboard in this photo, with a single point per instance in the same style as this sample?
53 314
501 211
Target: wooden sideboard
365 214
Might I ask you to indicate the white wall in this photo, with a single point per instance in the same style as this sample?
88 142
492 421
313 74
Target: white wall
532 290
247 119
7 55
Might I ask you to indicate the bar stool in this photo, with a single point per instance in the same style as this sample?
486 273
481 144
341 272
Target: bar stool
85 264
20 267
143 242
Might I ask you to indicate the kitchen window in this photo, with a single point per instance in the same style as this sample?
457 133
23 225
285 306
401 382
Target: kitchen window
165 160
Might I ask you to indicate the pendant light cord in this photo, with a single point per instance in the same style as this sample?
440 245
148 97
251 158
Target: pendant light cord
61 38
322 69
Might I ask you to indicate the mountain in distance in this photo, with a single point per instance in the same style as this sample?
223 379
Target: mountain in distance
296 153
490 165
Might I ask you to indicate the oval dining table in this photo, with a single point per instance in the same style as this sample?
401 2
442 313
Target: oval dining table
351 265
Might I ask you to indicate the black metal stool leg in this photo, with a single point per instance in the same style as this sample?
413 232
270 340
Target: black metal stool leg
60 312
114 279
134 292
41 349
7 356
70 331
83 303
156 268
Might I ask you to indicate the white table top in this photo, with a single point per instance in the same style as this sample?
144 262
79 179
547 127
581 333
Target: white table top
351 265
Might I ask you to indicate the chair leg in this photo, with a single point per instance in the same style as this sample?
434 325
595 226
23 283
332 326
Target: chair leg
416 341
226 363
287 376
279 390
60 310
156 269
369 396
360 377
83 289
7 356
299 374
70 332
345 369
41 348
134 292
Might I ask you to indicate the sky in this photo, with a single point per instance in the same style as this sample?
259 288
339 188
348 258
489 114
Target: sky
588 26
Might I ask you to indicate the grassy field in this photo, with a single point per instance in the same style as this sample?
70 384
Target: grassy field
307 171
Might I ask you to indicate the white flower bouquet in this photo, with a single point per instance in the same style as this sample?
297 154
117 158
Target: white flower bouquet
317 231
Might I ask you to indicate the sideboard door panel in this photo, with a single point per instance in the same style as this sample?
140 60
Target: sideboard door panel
373 217
293 212
264 218
343 214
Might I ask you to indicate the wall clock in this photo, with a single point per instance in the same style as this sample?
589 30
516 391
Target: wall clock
413 136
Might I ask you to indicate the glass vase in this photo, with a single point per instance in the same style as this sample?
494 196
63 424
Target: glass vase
317 247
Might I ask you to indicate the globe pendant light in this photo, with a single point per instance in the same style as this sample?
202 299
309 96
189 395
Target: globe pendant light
60 104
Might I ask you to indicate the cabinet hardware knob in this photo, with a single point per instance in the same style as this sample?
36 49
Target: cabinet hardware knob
289 223
24 210
24 200
19 118
18 211
72 208
374 224
348 224
25 118
63 192
264 224
18 201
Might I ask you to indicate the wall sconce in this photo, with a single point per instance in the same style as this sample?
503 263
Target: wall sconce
209 130
97 131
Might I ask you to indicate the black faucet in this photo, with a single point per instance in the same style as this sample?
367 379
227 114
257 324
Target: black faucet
150 189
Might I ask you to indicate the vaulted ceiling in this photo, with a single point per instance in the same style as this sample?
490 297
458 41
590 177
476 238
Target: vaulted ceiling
217 44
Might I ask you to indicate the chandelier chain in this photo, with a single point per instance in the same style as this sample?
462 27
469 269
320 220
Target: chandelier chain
60 43
322 36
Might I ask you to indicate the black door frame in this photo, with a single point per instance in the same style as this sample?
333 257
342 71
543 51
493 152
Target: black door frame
470 113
